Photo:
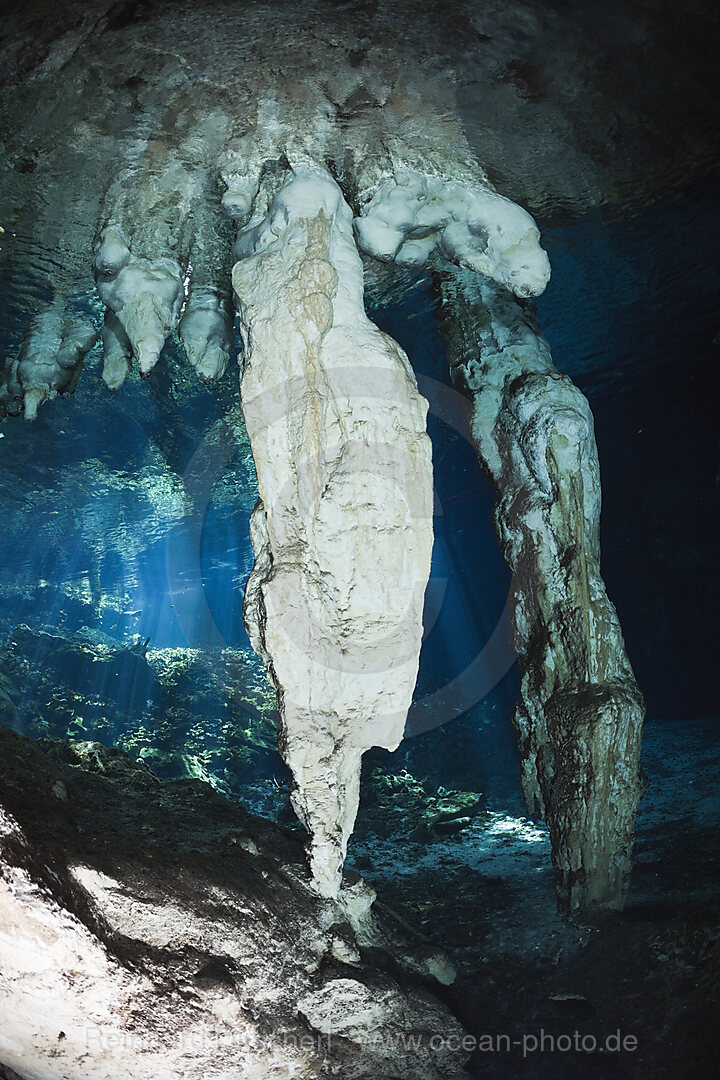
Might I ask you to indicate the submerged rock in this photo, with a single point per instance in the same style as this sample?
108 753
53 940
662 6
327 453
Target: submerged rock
157 930
208 716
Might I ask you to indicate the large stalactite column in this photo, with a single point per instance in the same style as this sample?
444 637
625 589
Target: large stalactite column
343 531
580 713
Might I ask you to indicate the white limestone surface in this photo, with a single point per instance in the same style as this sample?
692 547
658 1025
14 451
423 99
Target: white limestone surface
146 295
117 352
49 362
206 333
343 532
411 215
153 931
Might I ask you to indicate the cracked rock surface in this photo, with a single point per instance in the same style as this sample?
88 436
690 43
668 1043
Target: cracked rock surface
157 930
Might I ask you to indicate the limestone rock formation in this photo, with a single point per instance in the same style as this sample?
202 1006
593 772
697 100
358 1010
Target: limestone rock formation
117 352
411 215
145 295
580 713
343 532
157 931
49 363
130 118
206 333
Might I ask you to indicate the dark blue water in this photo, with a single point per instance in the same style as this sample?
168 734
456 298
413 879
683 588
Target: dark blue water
632 313
459 730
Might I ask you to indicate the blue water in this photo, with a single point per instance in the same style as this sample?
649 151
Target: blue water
632 314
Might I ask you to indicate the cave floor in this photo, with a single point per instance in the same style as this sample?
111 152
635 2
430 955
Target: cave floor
544 996
632 995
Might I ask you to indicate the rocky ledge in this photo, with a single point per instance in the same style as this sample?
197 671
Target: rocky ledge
156 929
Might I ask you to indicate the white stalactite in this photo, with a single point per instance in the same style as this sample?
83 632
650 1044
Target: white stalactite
343 533
146 295
206 333
49 362
411 215
117 352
